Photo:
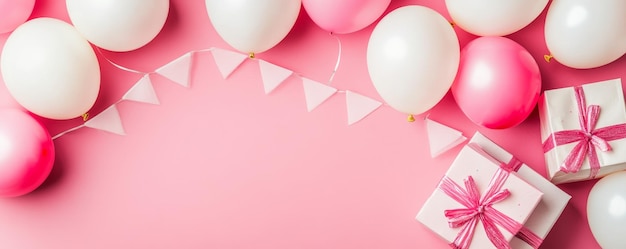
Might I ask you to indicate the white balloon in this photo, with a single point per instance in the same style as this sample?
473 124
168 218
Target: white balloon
253 26
50 69
494 17
586 34
606 211
118 25
412 58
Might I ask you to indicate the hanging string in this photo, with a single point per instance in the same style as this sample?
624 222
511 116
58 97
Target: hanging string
123 68
332 75
67 131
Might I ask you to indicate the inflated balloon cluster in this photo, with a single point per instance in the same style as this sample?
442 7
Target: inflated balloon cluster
413 57
50 68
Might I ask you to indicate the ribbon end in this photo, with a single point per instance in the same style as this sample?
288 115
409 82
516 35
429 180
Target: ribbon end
565 169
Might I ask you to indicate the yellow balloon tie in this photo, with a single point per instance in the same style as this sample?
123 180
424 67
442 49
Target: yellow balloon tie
410 118
251 55
85 116
548 57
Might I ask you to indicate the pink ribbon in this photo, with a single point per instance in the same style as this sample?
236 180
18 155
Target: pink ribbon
513 165
588 137
479 209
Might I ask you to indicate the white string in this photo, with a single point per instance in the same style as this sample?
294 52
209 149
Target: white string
118 65
332 75
204 50
67 131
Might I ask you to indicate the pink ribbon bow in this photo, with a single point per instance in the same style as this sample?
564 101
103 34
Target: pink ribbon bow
513 165
479 209
588 137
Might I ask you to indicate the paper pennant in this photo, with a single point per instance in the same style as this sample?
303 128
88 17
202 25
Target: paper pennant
142 91
272 75
178 70
359 106
227 61
442 138
316 93
108 120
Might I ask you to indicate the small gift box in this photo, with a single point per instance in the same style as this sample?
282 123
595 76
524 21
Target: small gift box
478 204
549 208
583 129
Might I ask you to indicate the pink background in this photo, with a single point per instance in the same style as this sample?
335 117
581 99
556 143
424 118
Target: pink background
222 165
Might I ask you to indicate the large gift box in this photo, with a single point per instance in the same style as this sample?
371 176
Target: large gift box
478 203
549 208
583 130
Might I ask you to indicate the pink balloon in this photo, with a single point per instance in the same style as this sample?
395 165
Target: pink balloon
344 16
498 82
13 13
26 153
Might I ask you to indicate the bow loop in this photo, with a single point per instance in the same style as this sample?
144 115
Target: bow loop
600 143
574 160
479 209
460 216
497 197
593 113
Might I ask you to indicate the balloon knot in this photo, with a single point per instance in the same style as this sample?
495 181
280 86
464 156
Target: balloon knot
452 24
410 118
85 116
548 57
251 55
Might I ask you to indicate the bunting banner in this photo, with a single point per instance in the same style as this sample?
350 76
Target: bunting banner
227 61
316 93
179 71
108 120
442 138
359 106
272 75
142 92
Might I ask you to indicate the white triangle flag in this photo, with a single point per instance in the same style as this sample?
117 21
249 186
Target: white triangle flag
442 138
272 75
227 61
316 93
142 91
178 70
359 106
108 120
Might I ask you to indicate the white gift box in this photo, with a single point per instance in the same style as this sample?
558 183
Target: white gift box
560 112
483 169
549 208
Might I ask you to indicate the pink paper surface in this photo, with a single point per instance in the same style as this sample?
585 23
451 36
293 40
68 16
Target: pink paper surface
223 165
